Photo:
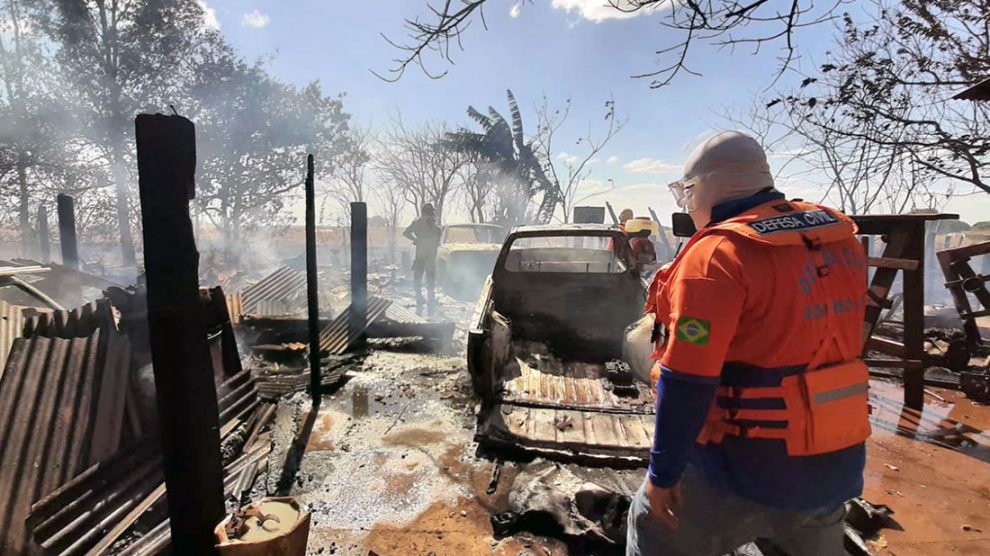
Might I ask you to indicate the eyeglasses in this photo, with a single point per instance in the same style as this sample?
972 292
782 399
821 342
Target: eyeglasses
681 190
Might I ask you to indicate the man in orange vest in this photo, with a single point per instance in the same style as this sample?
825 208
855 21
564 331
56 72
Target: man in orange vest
762 411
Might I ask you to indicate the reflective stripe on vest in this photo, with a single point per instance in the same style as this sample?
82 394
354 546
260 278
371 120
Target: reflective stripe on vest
840 393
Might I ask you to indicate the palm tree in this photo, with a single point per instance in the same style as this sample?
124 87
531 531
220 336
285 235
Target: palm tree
510 162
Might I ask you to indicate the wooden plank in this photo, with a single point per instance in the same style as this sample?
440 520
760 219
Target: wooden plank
588 427
543 423
572 431
895 364
899 264
885 345
608 431
633 430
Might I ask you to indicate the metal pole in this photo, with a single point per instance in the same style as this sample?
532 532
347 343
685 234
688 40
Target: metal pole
359 274
44 244
312 291
187 400
67 231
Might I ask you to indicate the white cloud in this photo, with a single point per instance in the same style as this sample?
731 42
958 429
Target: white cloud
567 158
651 166
600 10
515 11
612 160
209 15
255 19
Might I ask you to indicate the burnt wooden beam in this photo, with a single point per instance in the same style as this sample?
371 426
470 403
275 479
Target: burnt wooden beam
187 400
914 316
312 289
359 275
67 231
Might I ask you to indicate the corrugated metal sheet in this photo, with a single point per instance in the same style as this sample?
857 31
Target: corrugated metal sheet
98 507
75 323
100 504
401 314
284 289
61 410
11 327
335 338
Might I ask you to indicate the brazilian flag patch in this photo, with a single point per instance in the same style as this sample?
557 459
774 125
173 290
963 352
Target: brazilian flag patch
693 330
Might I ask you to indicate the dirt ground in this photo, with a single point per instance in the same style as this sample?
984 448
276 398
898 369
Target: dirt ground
390 466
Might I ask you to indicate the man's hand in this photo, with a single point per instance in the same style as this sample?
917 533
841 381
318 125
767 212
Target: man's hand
664 503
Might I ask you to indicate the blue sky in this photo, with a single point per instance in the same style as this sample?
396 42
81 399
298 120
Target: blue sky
557 48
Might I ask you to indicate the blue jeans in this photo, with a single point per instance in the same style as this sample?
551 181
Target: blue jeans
714 521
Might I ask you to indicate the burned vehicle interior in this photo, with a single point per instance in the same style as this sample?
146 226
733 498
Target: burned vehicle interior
545 349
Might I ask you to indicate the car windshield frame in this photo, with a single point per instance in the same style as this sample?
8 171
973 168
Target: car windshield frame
494 231
623 253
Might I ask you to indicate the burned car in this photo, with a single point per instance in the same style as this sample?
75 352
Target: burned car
466 256
545 347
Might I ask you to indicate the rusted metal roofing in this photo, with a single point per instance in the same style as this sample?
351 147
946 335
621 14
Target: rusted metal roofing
11 327
401 314
336 337
99 505
283 291
62 404
75 323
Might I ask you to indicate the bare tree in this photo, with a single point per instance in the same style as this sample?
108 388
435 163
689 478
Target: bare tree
890 81
388 201
719 23
855 174
348 172
476 179
876 126
417 162
568 172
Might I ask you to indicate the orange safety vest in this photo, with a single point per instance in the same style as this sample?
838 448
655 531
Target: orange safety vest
826 405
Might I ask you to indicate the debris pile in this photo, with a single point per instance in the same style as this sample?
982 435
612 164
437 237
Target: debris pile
81 464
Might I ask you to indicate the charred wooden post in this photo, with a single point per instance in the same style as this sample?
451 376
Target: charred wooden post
312 290
67 231
914 318
44 243
187 400
359 274
904 235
